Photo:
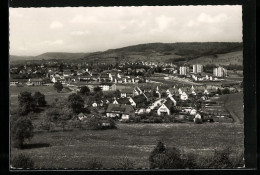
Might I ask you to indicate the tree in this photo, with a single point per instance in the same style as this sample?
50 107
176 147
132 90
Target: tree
21 130
58 86
219 92
117 93
76 103
26 103
226 91
84 90
22 161
159 149
39 99
97 89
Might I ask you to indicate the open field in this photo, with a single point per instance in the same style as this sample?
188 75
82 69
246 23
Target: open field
234 104
49 92
72 149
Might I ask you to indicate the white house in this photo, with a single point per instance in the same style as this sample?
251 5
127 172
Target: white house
163 109
193 112
184 96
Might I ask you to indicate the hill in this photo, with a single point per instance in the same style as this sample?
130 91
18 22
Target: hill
193 52
208 52
49 56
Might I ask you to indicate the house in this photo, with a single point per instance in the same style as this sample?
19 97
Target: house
107 87
184 96
84 78
67 73
137 91
14 82
104 77
126 93
36 82
122 101
132 102
165 108
139 100
119 111
172 99
81 116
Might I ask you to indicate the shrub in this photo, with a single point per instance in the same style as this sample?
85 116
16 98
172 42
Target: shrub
189 161
221 159
125 163
226 91
93 123
157 120
22 161
137 119
94 164
168 159
197 121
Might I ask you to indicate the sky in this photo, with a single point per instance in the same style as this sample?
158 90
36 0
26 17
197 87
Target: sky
34 31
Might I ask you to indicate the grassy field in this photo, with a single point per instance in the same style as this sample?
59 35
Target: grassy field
72 149
234 104
49 92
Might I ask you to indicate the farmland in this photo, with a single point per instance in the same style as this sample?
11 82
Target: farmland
72 149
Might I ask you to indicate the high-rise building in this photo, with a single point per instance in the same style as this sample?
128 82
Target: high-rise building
184 70
219 72
197 68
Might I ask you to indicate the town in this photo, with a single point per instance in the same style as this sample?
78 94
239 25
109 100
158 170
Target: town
138 91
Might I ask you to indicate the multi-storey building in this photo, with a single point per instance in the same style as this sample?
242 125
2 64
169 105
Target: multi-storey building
219 72
184 70
197 68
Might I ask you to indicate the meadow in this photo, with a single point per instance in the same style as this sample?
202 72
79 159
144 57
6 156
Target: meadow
49 92
73 149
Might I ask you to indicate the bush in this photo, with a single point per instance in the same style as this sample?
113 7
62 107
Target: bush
197 121
94 164
125 163
226 91
157 120
221 159
22 161
93 123
137 119
168 159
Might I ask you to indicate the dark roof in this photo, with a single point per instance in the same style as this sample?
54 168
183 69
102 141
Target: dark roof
139 99
104 76
123 101
169 103
128 91
119 108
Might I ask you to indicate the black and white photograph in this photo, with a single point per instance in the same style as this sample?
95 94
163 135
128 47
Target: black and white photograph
126 88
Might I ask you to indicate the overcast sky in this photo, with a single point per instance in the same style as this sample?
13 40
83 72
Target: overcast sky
34 31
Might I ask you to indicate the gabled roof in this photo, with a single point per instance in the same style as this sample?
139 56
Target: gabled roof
128 91
119 108
139 99
123 101
169 103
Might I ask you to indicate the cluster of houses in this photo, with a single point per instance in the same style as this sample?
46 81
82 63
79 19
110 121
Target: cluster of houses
138 101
